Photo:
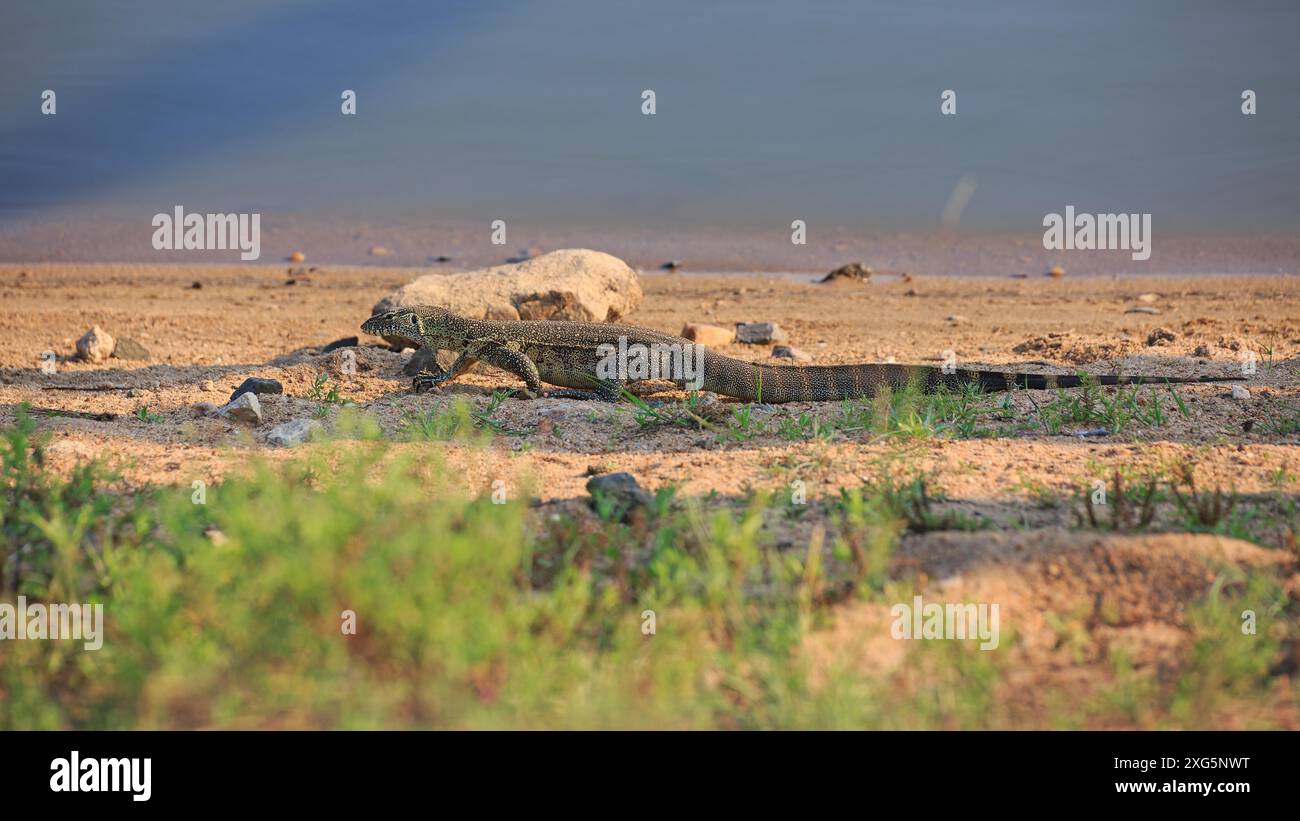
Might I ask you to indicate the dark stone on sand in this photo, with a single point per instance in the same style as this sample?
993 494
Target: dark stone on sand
255 385
346 342
853 271
622 489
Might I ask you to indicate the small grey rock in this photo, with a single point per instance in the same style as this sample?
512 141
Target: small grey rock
759 333
671 265
254 384
346 342
203 408
95 345
293 432
623 488
128 348
244 409
1142 309
1240 392
787 352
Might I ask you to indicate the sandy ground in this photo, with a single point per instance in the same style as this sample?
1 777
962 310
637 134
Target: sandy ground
249 322
246 322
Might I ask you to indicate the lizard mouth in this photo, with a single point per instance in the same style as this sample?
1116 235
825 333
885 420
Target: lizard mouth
377 325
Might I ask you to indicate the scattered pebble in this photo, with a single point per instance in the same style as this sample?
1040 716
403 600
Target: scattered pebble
245 409
196 285
708 334
203 408
209 385
1240 392
254 384
293 432
759 333
95 345
1056 272
1160 336
671 265
787 352
1148 297
956 319
1141 309
297 256
378 251
525 254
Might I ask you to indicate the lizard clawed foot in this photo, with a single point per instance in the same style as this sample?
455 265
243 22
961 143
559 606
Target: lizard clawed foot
425 383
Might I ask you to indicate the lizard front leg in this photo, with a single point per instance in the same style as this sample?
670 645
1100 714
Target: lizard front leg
434 378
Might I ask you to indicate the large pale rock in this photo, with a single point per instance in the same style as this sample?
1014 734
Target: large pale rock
575 284
95 345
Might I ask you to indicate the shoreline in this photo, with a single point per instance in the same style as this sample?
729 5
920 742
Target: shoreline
700 248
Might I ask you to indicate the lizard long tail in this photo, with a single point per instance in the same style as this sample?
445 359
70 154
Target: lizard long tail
820 383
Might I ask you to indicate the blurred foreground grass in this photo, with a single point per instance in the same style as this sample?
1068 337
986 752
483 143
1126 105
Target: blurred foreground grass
469 614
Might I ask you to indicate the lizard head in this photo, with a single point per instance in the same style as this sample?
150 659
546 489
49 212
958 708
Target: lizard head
421 325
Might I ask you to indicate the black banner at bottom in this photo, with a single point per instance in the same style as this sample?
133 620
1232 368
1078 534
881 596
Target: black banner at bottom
237 770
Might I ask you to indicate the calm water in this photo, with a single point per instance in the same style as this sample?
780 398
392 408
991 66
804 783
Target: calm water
766 111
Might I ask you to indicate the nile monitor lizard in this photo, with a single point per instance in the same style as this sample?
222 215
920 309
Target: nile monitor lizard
583 357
